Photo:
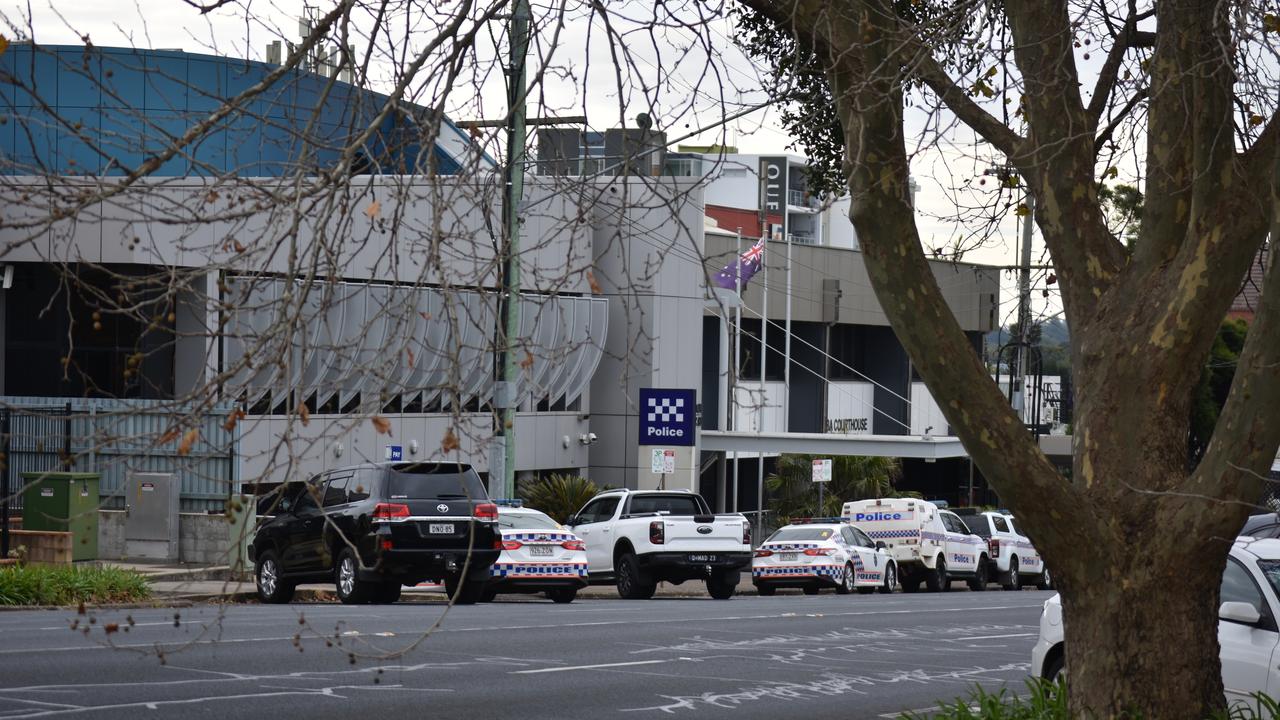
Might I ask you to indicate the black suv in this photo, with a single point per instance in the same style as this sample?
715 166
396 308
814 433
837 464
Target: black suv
372 529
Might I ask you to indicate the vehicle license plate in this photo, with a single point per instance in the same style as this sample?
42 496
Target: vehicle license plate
541 550
702 558
440 528
788 557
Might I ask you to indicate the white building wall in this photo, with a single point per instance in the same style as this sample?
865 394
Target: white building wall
925 413
850 407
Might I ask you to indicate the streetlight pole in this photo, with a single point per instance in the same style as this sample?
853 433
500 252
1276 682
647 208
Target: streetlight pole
1024 307
509 297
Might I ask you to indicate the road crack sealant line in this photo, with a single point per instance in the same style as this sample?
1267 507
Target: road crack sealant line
829 684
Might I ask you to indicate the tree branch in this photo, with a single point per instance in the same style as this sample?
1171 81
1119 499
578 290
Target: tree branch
1105 136
1126 39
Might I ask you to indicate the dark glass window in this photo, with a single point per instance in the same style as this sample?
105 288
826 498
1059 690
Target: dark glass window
598 510
1001 525
434 480
670 504
335 493
801 533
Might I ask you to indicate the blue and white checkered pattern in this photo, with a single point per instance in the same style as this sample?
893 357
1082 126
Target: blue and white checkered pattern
665 410
893 534
538 570
528 537
790 547
835 572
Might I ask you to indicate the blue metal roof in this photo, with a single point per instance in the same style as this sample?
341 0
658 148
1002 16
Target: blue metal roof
102 111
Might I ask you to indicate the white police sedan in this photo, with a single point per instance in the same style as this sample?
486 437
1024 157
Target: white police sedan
538 555
822 553
1247 625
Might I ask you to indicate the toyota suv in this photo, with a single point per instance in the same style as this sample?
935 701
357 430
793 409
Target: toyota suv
372 529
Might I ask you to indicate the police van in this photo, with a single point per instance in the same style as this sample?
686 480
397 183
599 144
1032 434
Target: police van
929 544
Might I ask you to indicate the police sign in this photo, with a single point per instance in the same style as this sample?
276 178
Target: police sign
666 416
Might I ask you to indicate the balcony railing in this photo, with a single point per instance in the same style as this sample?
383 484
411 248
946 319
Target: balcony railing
801 198
801 237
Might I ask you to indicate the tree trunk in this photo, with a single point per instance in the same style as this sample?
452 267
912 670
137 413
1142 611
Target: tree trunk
1142 637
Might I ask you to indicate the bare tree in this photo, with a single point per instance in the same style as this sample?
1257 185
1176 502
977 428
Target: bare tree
1137 541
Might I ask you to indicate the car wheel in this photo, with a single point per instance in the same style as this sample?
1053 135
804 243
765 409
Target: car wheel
811 589
462 591
766 590
488 595
848 582
631 584
271 587
890 579
1014 582
351 590
562 596
938 580
978 582
387 593
1045 581
723 585
1056 669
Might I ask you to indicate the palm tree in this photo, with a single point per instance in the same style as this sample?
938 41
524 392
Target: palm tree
559 495
794 494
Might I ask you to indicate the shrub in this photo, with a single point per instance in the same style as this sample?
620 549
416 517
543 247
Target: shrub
69 585
1048 701
559 495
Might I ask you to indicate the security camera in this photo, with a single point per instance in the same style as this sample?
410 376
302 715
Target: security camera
592 437
587 438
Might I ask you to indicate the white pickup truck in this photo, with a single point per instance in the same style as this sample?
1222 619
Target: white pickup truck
638 538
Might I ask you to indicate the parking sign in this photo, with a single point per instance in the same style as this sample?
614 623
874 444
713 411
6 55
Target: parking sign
666 416
822 470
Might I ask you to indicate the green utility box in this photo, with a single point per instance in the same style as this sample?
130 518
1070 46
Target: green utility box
62 502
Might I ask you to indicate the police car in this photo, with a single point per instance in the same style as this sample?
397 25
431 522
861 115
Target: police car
928 543
822 553
538 555
1014 559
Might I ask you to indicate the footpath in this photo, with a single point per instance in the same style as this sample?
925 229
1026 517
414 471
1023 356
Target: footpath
218 584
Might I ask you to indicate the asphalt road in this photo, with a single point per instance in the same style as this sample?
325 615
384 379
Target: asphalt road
823 656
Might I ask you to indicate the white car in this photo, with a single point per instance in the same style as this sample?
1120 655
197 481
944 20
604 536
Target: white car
928 544
538 555
1014 559
814 555
1247 629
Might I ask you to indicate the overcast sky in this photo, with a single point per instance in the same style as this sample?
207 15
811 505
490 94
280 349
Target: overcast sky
691 91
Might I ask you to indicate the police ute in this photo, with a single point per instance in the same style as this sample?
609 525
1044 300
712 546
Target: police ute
822 553
929 545
1013 558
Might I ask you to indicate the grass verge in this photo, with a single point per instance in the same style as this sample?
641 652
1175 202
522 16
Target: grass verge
1048 701
69 585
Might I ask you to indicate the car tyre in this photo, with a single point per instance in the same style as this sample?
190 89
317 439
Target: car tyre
1045 581
346 577
766 590
1056 669
488 595
562 596
848 582
723 585
462 591
978 582
272 588
890 579
938 580
631 584
1014 582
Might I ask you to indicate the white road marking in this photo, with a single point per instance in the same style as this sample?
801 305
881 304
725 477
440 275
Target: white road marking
590 667
997 637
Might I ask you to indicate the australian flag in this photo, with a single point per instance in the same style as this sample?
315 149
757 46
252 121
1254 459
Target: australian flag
742 269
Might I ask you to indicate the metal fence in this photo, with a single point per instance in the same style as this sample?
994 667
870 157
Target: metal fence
117 437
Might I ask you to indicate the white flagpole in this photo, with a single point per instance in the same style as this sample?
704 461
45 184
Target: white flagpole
786 359
764 357
737 363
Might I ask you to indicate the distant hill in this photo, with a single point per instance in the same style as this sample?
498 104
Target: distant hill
1055 343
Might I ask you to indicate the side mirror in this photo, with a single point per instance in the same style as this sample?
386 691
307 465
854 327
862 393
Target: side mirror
1239 612
880 545
571 521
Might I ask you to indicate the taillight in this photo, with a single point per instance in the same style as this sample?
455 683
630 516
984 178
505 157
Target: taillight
386 545
657 533
485 511
390 512
512 544
994 544
764 553
746 533
813 552
573 545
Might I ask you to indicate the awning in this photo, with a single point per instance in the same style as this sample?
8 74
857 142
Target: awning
902 446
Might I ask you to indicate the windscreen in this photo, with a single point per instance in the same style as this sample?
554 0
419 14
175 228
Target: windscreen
1271 569
411 481
978 525
670 504
801 533
526 521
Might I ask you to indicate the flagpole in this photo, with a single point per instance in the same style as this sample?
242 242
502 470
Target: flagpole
786 360
737 363
764 398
